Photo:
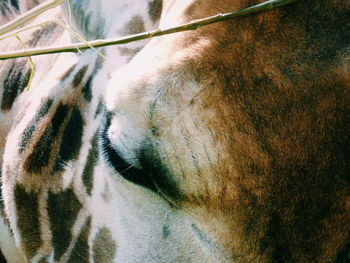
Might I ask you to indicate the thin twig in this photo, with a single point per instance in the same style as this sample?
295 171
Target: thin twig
193 25
22 19
23 29
57 22
77 36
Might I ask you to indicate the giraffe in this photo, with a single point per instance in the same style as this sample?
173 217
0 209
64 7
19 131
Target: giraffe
62 206
217 150
245 127
66 241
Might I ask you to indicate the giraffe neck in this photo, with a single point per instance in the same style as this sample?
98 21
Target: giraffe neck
14 76
52 168
15 73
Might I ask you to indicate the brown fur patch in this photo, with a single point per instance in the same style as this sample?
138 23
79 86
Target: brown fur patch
80 252
39 37
79 76
63 209
134 26
67 73
100 107
155 9
29 130
88 172
71 140
44 260
27 207
129 52
87 92
104 247
39 156
16 81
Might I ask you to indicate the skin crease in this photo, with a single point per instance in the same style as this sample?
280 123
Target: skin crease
245 127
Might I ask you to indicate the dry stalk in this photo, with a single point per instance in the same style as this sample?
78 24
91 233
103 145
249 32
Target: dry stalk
193 25
32 13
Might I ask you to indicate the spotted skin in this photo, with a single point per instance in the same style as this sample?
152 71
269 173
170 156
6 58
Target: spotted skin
71 140
28 132
90 164
155 9
39 157
8 10
81 248
19 70
28 220
87 89
79 76
17 80
218 150
44 260
57 147
63 205
14 77
104 247
14 73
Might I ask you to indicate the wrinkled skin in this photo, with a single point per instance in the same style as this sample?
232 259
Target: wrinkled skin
244 126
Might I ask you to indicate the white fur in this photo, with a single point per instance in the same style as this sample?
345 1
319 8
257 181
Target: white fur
7 244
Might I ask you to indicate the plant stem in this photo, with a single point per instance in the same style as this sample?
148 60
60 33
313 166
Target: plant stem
32 13
193 25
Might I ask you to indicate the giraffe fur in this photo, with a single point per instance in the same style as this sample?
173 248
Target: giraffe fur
202 146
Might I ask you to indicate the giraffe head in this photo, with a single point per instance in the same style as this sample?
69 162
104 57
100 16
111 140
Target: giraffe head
244 127
227 144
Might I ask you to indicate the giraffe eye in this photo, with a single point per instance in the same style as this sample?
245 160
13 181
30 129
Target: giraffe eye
119 164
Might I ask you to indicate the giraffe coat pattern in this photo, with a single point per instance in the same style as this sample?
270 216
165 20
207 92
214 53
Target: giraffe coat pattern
225 144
